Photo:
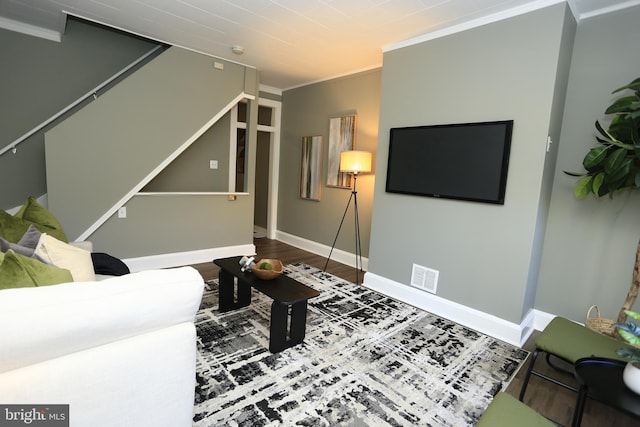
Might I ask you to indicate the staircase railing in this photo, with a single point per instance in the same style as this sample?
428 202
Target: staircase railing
92 93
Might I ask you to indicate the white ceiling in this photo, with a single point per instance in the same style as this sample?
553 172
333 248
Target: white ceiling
291 42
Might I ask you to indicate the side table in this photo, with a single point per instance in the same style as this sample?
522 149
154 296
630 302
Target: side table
288 310
601 379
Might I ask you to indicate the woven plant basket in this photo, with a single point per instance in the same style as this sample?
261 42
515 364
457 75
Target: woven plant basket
599 324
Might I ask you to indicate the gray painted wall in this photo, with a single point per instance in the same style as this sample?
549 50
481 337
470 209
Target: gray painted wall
117 141
41 77
271 96
306 112
590 244
170 224
484 252
191 171
558 104
174 223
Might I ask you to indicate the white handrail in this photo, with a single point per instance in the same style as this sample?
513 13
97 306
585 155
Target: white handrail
13 146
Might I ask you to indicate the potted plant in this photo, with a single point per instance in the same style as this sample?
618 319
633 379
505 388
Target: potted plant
614 165
630 332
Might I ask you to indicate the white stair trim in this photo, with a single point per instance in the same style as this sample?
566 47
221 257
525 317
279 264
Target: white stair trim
109 213
187 258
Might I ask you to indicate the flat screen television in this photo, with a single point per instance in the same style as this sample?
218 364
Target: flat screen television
465 161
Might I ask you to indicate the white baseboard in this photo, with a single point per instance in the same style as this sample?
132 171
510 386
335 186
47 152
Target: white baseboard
259 232
187 258
338 255
541 319
513 333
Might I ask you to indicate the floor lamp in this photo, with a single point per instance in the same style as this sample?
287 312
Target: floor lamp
353 162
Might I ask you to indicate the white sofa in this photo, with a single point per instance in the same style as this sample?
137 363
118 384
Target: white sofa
120 352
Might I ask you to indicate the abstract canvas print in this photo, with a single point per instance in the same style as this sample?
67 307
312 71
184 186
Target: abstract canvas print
311 167
342 134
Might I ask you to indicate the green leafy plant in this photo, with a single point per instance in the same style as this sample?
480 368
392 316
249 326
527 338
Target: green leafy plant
630 332
615 163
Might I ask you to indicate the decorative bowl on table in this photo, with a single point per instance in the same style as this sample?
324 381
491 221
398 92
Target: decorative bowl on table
267 269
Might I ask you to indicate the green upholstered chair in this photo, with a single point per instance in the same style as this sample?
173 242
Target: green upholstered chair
507 411
568 341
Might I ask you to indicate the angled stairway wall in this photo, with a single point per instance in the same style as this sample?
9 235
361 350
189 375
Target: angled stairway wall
98 159
39 79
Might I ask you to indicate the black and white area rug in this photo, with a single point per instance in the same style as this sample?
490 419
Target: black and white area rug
367 360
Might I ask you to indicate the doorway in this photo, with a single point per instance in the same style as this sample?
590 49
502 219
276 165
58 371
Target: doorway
267 162
261 201
267 168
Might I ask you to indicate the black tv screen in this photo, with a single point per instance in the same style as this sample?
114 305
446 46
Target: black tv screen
465 161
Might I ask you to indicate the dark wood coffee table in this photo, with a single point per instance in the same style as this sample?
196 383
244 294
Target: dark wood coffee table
289 301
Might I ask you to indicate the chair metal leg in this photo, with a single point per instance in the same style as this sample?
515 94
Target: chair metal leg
527 377
558 367
579 410
531 371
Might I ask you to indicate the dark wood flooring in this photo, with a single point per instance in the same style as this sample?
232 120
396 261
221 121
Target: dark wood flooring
552 401
267 248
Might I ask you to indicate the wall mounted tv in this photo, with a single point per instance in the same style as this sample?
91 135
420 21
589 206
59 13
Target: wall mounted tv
465 161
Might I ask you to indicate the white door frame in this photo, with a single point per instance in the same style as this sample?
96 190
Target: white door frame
274 163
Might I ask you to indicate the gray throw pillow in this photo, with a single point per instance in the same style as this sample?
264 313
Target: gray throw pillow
30 238
5 246
26 245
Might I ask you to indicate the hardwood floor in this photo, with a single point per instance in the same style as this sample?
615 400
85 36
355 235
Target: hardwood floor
267 248
550 400
557 403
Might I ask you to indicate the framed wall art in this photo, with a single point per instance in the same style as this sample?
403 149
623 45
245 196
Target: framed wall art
342 134
311 167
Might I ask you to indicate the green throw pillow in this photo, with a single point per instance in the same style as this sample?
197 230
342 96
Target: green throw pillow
11 228
42 218
18 271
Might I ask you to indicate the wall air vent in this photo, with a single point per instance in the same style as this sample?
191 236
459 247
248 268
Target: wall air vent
424 278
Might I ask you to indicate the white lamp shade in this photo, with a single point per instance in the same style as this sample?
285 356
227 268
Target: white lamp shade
355 161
